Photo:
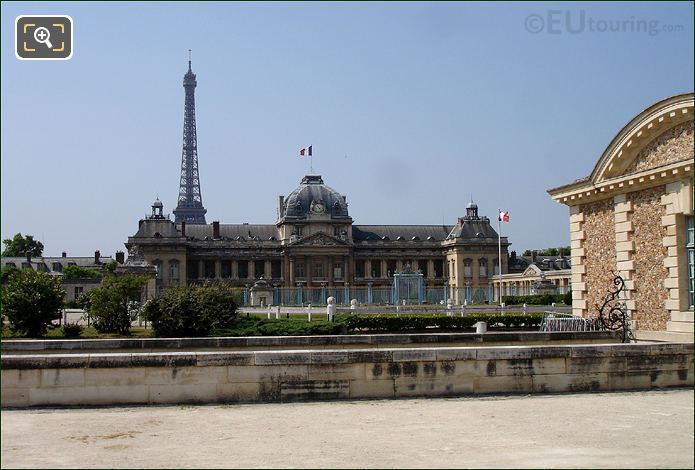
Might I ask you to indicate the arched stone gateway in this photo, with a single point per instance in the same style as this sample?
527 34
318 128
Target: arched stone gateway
634 215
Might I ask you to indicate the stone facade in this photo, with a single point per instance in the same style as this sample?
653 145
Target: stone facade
632 215
649 255
670 147
314 244
597 254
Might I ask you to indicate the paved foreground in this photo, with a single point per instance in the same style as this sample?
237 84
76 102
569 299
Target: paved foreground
638 429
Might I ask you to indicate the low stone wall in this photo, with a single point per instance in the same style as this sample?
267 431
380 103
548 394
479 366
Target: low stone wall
279 376
256 343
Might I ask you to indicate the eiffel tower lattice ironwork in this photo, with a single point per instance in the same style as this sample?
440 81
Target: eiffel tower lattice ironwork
190 204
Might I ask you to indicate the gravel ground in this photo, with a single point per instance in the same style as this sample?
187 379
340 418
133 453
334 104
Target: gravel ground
600 430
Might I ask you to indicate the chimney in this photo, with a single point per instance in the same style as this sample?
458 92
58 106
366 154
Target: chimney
534 254
183 229
120 257
513 257
64 254
216 229
281 205
97 255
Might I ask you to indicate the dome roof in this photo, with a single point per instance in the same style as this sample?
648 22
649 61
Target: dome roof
472 205
157 203
314 197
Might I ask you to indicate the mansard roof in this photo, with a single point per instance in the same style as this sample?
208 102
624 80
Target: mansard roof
233 231
430 233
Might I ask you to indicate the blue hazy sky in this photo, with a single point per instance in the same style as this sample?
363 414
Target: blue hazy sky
411 109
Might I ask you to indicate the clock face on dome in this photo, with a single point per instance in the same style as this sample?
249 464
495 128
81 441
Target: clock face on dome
318 207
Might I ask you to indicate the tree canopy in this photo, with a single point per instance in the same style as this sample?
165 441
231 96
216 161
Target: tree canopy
22 245
80 272
31 301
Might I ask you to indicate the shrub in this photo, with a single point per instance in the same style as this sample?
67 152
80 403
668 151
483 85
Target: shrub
568 298
443 322
542 299
31 300
192 310
110 306
71 330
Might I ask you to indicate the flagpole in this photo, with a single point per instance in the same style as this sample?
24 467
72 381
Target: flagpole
499 248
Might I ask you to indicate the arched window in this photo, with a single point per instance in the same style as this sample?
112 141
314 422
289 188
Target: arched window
158 264
482 268
174 269
467 268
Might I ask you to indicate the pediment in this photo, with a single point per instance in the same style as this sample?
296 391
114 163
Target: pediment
319 239
532 270
658 136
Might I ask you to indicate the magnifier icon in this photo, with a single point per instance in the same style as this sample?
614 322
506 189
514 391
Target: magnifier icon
43 35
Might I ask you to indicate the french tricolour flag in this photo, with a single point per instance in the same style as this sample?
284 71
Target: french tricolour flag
504 216
305 151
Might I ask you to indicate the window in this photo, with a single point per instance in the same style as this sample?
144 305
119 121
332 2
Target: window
78 291
173 269
337 271
226 269
57 267
243 269
318 269
276 269
482 266
376 268
298 230
299 270
467 269
422 265
391 268
209 267
259 269
438 268
689 241
10 265
192 269
359 268
26 265
496 267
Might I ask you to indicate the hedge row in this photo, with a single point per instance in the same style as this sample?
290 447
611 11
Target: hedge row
254 326
421 322
542 299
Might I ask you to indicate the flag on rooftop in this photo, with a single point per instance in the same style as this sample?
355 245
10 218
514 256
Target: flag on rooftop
305 151
504 216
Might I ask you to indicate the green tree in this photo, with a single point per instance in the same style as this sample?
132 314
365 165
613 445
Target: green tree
80 272
111 266
22 246
111 305
31 300
192 310
526 253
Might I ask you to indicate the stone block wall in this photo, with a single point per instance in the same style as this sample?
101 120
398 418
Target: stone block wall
673 145
596 253
648 256
282 376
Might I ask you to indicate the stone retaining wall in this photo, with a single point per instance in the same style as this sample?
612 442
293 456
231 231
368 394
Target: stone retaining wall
279 376
413 340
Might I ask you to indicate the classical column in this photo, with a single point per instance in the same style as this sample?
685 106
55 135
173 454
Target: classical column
368 269
252 269
268 268
430 268
308 270
218 269
290 277
384 268
348 271
330 271
235 269
201 269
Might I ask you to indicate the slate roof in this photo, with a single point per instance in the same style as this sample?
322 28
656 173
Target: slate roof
406 232
232 231
473 228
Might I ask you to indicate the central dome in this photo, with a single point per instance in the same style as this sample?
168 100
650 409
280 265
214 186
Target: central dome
314 197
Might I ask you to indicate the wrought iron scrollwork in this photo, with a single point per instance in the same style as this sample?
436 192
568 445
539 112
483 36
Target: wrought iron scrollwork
612 315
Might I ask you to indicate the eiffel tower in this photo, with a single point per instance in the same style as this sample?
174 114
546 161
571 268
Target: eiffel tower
190 206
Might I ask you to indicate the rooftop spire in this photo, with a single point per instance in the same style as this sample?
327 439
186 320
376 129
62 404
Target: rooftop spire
189 60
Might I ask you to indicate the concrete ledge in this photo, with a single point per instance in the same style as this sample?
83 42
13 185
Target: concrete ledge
283 342
266 376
